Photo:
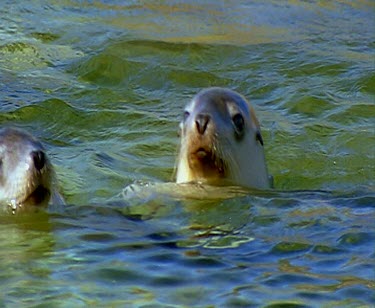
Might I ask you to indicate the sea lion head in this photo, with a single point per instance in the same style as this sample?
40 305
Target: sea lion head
221 142
26 173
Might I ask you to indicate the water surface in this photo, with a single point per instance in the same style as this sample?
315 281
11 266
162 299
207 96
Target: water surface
103 85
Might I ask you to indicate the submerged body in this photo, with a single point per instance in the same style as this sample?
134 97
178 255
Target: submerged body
221 143
27 178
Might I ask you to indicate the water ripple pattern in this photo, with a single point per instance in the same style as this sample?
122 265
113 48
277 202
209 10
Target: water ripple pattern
103 85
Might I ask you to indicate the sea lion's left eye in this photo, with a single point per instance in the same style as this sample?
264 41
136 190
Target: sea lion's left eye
238 122
181 126
186 115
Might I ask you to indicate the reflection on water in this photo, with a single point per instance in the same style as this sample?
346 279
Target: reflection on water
103 84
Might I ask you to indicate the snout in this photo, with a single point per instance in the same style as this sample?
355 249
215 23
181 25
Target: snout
202 120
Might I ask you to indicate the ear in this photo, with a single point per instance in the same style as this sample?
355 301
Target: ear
255 122
258 137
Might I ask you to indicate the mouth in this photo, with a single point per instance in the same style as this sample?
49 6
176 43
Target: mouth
38 197
207 163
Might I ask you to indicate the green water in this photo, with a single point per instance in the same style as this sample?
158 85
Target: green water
103 85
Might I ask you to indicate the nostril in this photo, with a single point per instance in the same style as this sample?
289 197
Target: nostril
201 122
39 159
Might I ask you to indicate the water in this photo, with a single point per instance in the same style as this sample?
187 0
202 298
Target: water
103 84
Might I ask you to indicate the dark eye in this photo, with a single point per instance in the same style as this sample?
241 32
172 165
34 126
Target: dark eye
39 159
239 123
186 115
259 138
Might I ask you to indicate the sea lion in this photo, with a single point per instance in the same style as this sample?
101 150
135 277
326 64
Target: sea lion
221 142
27 178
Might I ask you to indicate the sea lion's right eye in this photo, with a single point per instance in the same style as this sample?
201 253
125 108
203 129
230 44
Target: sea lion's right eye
186 115
239 122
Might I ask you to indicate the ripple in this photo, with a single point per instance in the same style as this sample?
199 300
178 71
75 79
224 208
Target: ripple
323 249
98 237
117 275
356 239
286 304
290 247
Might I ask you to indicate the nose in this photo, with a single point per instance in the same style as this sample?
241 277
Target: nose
39 159
201 122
